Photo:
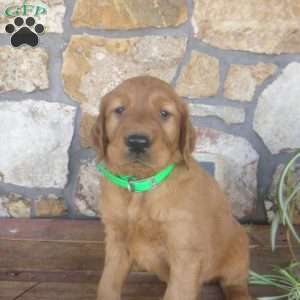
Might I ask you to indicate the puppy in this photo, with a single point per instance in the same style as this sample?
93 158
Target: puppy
160 210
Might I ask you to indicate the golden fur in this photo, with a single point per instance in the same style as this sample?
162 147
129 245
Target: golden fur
183 229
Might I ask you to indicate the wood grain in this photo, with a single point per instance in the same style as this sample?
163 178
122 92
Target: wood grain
63 259
9 290
43 256
52 230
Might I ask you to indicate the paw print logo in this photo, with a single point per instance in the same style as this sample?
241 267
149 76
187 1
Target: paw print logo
22 34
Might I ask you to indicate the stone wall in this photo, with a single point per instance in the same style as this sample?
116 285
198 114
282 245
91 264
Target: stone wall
236 63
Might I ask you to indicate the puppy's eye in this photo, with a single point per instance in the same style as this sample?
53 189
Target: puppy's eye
119 110
164 114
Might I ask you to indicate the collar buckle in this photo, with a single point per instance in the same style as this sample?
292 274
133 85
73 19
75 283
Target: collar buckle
130 186
153 182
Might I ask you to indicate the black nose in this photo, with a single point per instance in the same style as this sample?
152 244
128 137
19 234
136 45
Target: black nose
137 143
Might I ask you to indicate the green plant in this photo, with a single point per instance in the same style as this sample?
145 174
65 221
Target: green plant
287 200
285 279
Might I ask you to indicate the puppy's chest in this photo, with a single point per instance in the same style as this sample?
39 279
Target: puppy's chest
146 239
144 225
143 220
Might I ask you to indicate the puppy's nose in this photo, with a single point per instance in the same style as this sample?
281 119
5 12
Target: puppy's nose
137 143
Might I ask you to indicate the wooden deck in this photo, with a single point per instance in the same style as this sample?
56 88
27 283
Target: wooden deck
63 259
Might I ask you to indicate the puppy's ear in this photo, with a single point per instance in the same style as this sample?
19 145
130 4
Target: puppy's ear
99 138
187 137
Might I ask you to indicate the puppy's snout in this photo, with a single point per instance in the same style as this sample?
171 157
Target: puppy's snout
137 143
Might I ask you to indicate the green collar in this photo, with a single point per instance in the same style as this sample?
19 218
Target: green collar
131 184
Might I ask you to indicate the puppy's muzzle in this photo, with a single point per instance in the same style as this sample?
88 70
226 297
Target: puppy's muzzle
137 143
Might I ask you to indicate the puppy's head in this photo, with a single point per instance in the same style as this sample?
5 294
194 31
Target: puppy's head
142 127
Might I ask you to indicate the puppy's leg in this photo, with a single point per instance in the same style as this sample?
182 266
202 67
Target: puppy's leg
234 279
116 268
236 289
184 280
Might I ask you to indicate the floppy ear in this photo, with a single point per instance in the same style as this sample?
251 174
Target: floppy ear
187 137
99 138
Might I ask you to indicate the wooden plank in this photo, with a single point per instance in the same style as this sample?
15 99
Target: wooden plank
83 261
71 276
86 256
67 291
210 291
50 256
51 230
263 259
67 252
49 276
10 290
87 291
261 236
61 291
85 230
259 291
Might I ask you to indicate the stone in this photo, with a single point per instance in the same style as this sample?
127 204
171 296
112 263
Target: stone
88 191
14 206
86 124
242 80
213 164
230 115
262 72
23 69
270 210
50 206
93 66
53 20
237 166
34 140
3 209
200 77
260 26
277 115
125 15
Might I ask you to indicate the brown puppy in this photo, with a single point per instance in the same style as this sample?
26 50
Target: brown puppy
182 229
